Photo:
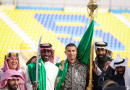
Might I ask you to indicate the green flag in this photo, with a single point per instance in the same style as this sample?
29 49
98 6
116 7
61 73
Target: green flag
85 45
83 56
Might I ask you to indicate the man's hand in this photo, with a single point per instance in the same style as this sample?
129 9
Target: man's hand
106 65
35 85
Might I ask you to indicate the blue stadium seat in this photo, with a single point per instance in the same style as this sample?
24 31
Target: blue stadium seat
49 21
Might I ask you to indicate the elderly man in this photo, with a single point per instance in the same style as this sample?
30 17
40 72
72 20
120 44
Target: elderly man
73 75
47 70
102 60
12 62
11 80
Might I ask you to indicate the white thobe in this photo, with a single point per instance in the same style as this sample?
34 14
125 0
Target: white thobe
51 74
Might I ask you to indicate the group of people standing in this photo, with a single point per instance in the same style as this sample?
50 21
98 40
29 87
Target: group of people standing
69 74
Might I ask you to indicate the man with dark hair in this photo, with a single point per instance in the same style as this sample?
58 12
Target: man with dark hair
102 56
70 44
47 71
111 85
33 59
73 75
11 80
102 60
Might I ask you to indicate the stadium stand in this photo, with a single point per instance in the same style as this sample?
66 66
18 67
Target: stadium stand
61 28
9 40
126 15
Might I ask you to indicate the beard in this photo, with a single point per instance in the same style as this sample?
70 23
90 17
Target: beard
101 57
121 73
11 87
101 60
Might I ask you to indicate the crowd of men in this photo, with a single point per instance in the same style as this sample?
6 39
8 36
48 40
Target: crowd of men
69 74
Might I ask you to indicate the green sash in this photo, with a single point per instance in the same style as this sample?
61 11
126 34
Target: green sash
63 65
82 55
41 74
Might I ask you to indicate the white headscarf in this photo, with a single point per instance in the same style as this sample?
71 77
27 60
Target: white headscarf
122 62
101 44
